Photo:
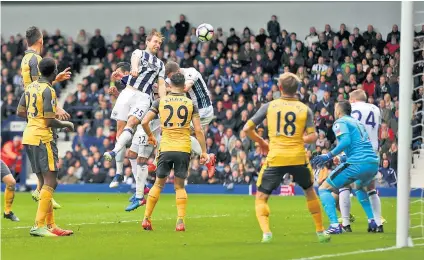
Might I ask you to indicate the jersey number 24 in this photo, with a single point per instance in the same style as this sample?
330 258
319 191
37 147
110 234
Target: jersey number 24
370 120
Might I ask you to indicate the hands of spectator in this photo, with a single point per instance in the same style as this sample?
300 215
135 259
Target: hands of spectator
264 147
113 91
204 157
64 75
61 114
152 140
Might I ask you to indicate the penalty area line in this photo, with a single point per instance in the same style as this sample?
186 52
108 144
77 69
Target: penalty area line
382 249
126 221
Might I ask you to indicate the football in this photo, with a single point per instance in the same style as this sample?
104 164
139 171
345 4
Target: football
204 32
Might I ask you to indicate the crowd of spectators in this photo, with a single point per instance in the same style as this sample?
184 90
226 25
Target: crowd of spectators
241 71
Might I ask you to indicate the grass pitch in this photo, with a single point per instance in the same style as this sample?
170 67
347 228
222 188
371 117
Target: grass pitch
218 227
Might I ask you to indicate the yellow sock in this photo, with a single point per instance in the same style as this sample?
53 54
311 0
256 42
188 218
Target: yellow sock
9 195
50 217
262 214
152 199
44 204
314 207
181 200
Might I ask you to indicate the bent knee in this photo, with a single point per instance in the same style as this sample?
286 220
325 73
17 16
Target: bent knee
142 161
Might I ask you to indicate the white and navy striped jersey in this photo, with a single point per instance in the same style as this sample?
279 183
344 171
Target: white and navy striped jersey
149 70
199 93
369 115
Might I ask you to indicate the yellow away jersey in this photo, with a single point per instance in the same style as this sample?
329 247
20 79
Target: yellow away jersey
39 102
176 112
29 67
288 119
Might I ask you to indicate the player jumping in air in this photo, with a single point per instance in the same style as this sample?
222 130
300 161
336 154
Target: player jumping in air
38 105
9 192
31 73
196 87
359 164
175 111
290 125
135 99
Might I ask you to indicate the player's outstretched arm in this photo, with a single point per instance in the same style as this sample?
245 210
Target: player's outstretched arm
64 75
54 123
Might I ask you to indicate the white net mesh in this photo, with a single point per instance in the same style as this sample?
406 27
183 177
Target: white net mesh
417 169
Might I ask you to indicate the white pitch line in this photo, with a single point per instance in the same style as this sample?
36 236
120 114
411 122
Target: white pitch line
128 221
382 249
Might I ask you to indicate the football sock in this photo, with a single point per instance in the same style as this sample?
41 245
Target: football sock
9 195
119 159
50 217
142 173
262 214
133 163
44 204
152 199
315 210
181 200
344 203
329 204
122 140
195 146
365 203
376 206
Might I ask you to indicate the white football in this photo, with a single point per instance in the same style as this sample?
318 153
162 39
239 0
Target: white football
204 32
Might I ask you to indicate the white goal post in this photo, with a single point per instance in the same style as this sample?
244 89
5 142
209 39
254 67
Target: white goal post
405 131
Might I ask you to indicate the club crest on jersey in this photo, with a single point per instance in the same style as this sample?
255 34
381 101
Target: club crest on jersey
53 102
337 130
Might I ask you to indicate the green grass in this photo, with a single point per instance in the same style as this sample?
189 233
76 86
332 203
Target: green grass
218 227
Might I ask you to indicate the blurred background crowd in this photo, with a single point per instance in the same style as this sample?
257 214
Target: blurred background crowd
240 68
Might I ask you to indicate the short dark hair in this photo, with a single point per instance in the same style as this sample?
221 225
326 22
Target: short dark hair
32 35
171 67
124 66
345 106
47 67
178 80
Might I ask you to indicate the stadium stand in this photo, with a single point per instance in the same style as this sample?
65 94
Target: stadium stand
241 72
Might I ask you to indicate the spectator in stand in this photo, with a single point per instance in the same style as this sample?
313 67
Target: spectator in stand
387 175
11 154
394 33
369 36
97 47
81 138
343 34
369 85
393 156
9 107
319 69
311 38
329 34
69 178
386 137
393 45
273 28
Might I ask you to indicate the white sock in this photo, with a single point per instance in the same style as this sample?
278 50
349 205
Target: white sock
344 203
376 206
195 146
119 159
142 173
123 139
134 168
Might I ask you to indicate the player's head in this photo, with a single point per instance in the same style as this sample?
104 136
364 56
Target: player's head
289 83
177 82
154 41
358 95
124 67
34 38
171 68
48 68
342 108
